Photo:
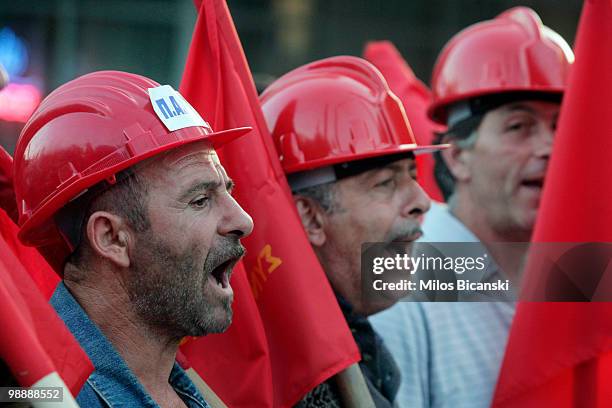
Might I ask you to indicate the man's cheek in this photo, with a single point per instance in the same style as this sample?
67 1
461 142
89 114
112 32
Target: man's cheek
377 229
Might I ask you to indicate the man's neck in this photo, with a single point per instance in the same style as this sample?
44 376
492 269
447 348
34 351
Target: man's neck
510 257
149 355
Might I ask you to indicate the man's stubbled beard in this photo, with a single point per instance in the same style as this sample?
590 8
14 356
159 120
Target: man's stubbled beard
172 295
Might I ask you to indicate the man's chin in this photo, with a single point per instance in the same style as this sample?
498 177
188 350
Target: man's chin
226 322
211 320
527 219
220 322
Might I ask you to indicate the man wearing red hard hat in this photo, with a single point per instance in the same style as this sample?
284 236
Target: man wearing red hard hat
116 177
348 152
497 86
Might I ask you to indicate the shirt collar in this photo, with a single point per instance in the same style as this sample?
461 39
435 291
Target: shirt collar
440 225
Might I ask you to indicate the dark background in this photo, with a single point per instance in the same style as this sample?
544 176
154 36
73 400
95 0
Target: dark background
67 38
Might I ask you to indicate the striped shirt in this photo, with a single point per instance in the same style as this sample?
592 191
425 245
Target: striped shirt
449 354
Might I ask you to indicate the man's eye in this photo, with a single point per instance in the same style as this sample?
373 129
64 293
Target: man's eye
199 202
515 126
386 183
519 125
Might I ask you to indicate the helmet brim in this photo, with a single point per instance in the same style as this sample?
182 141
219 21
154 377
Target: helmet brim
438 110
222 137
404 148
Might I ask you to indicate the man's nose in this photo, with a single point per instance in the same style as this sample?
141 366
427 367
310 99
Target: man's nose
543 143
417 202
236 221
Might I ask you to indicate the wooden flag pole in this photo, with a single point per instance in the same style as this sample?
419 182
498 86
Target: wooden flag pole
209 395
353 388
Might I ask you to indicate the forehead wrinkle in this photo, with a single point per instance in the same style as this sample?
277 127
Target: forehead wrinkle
199 157
547 113
525 106
372 173
223 174
172 167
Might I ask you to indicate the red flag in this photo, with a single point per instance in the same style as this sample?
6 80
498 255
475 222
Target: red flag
415 97
34 342
8 202
560 354
288 333
40 271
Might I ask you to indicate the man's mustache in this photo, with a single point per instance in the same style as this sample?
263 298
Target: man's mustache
403 233
229 251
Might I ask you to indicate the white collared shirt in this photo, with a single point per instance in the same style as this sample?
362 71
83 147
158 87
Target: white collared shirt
449 354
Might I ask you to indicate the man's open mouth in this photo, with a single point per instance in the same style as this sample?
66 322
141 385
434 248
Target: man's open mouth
223 272
533 183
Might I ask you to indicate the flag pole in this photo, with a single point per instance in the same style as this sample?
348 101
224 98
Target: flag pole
353 388
209 395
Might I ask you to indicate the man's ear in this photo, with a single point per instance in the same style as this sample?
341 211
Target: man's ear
108 237
313 219
457 161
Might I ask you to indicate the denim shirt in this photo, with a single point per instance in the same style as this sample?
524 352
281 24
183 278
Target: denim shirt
112 383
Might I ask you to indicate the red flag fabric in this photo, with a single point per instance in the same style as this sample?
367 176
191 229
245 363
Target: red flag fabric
560 354
40 271
7 194
34 342
19 335
288 333
415 97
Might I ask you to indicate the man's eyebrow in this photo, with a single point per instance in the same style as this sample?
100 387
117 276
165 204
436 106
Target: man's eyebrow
200 186
207 186
394 167
398 167
521 107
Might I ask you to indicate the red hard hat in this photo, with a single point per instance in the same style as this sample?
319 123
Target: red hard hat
335 110
514 52
88 130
